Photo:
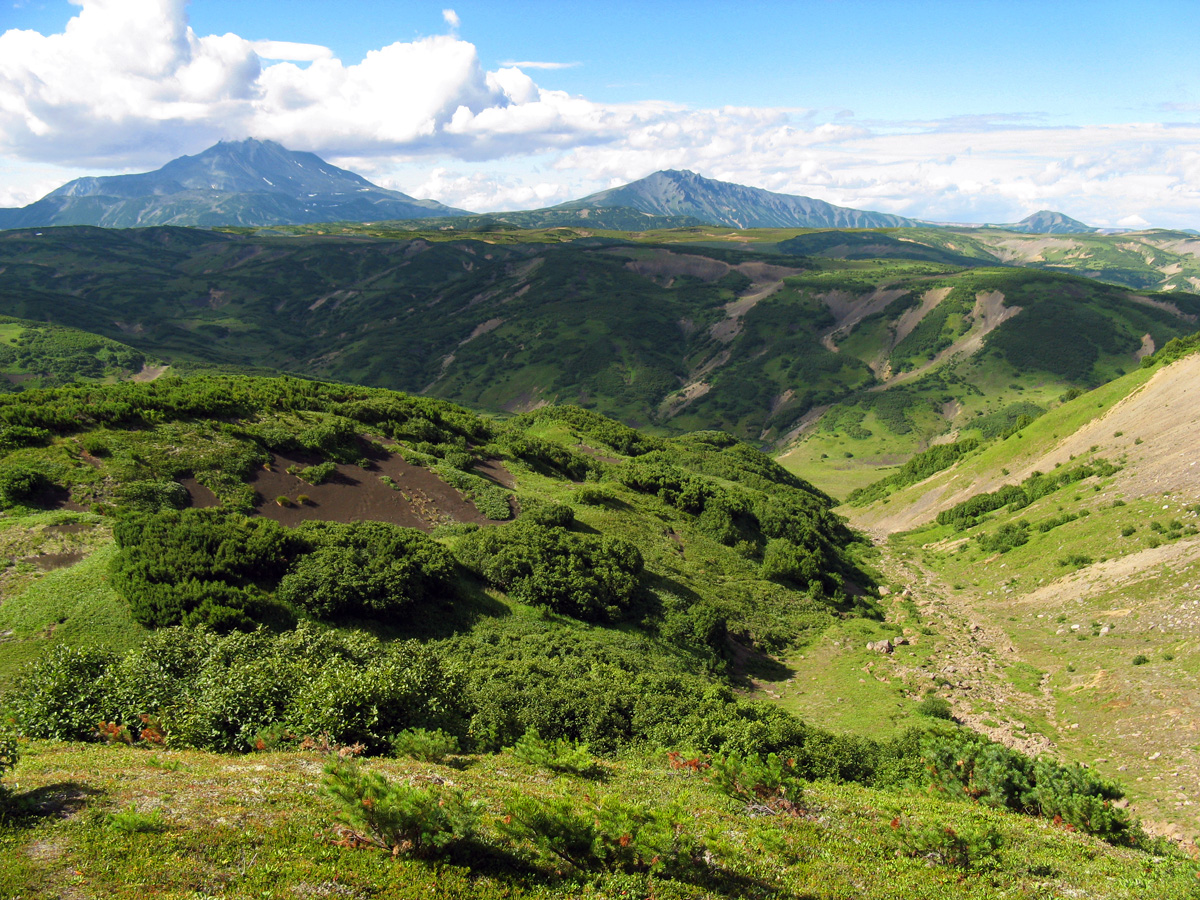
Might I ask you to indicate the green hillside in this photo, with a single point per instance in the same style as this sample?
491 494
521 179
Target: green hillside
227 565
674 336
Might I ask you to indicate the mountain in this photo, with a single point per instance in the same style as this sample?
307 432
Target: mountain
231 183
684 193
1046 221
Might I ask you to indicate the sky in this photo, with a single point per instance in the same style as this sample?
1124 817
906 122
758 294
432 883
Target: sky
979 111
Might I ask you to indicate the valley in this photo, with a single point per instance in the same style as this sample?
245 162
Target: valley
1008 445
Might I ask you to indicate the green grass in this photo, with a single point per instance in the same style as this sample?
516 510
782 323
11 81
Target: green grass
258 825
72 605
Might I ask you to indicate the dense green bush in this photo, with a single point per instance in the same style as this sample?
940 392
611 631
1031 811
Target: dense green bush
63 695
968 765
200 566
365 569
222 692
967 848
966 514
317 474
784 561
596 579
21 483
153 495
1005 538
608 834
13 437
399 818
935 707
425 745
764 781
558 755
917 468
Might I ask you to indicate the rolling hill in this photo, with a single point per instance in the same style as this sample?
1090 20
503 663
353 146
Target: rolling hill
895 353
583 670
231 183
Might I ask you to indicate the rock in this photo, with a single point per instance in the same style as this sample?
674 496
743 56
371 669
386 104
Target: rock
884 591
884 646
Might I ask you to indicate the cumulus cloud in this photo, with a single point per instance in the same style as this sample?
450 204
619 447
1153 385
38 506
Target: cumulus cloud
128 84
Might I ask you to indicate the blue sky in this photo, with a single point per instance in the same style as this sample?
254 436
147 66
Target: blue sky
966 111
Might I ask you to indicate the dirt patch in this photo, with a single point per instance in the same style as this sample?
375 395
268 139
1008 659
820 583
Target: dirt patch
1146 349
47 562
496 471
1164 305
419 499
198 494
674 403
1158 426
913 317
850 309
988 314
481 329
526 401
150 373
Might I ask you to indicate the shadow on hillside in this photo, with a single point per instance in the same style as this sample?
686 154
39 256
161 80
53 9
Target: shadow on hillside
750 664
60 800
440 618
514 869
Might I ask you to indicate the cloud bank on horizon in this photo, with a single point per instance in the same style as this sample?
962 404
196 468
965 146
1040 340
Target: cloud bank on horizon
128 85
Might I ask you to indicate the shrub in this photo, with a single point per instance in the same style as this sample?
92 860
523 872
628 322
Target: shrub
965 847
766 782
971 766
369 569
200 566
934 707
63 695
559 755
784 561
547 514
594 495
594 579
399 818
197 688
20 483
1141 659
318 474
151 496
9 754
606 834
426 746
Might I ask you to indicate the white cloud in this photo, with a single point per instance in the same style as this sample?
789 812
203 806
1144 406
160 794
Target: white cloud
527 64
451 18
1133 222
291 51
128 84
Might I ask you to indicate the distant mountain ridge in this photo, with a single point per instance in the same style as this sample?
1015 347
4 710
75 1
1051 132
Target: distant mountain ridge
246 182
1047 221
683 193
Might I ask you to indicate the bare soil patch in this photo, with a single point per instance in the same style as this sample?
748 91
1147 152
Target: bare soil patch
1164 305
913 317
419 499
